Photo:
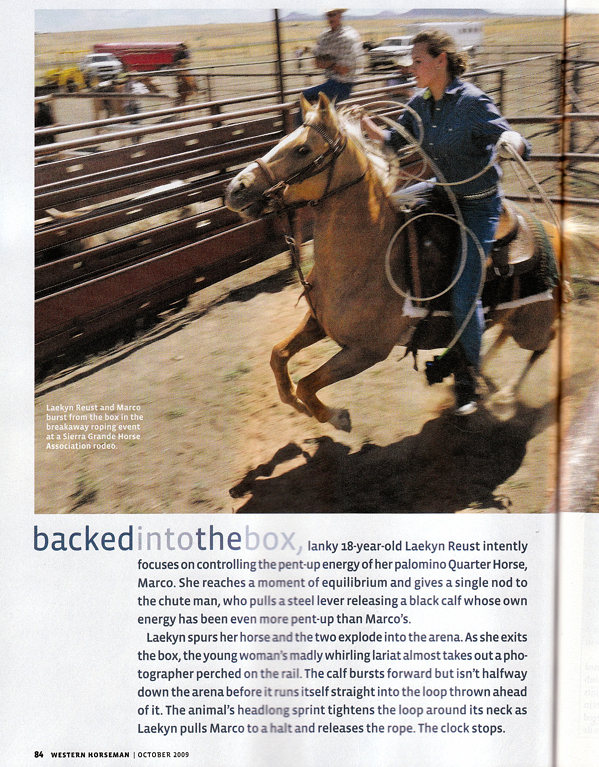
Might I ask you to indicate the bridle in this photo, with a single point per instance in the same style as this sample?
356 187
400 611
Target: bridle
325 160
318 165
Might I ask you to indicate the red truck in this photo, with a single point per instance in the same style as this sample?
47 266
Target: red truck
145 57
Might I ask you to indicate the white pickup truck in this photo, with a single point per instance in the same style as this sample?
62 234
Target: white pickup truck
390 51
100 66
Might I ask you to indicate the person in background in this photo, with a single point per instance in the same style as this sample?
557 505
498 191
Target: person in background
44 118
132 107
299 54
403 75
462 129
136 88
181 57
338 52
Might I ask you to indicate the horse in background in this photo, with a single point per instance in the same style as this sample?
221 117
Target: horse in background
110 98
103 105
326 163
187 88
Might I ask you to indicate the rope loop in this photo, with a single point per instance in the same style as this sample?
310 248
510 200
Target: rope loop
415 144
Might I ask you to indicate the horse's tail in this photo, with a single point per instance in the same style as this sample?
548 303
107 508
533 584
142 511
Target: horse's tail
580 246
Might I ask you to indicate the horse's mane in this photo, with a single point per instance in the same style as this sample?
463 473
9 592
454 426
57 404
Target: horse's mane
383 160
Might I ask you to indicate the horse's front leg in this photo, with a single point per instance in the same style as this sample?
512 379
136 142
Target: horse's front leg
345 364
306 334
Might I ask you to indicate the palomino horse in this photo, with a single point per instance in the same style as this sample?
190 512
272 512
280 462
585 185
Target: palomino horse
349 295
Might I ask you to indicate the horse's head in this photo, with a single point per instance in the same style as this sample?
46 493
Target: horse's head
298 169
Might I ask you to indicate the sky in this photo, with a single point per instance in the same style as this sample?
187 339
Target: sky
67 19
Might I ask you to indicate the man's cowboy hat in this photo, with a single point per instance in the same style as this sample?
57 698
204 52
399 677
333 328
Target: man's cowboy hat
335 10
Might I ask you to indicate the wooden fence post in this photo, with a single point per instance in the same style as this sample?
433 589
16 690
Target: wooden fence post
279 73
209 96
501 96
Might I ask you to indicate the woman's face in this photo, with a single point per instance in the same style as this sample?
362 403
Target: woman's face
426 69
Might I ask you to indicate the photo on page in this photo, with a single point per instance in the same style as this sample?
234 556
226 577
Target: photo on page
187 316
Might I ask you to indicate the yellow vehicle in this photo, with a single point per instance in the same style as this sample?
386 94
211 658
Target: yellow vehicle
65 75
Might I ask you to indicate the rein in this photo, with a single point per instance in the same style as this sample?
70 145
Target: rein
284 210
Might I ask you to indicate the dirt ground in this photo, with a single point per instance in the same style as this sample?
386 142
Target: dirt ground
213 436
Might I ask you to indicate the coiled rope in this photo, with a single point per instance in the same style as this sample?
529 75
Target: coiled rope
415 145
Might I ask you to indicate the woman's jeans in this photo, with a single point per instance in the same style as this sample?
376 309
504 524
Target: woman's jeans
481 217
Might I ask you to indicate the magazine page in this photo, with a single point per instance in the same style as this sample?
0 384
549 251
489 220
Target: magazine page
578 656
359 575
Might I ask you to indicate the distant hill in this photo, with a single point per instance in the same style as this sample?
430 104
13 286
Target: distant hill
446 13
415 13
300 17
386 15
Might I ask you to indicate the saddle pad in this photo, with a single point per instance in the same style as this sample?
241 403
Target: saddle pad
521 287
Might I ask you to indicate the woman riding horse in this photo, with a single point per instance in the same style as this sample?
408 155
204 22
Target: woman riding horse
326 164
460 126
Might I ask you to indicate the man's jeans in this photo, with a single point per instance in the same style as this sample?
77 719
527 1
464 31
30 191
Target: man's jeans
333 89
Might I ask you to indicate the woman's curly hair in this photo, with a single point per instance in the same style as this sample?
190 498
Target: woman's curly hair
438 42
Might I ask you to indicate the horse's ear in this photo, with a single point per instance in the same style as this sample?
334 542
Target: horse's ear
305 104
327 111
323 101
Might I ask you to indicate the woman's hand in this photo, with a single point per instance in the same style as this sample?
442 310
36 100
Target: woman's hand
372 130
509 142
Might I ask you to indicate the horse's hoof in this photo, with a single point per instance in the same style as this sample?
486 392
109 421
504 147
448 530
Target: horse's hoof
503 398
340 419
502 405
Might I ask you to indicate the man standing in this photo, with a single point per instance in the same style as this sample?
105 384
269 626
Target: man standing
181 57
338 52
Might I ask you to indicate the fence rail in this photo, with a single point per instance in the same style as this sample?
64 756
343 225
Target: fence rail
86 287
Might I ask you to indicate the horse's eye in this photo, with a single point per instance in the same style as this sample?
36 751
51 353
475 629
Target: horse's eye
303 149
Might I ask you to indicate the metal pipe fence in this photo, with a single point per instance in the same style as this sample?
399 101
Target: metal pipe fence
533 90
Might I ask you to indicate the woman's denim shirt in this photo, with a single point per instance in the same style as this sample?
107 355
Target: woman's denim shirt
460 133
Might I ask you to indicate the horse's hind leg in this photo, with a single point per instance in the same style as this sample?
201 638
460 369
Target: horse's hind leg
490 354
345 364
531 327
306 334
517 382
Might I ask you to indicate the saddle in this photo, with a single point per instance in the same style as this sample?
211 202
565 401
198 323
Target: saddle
515 248
521 265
